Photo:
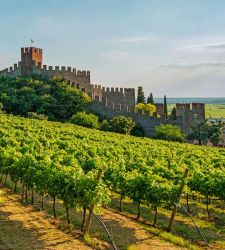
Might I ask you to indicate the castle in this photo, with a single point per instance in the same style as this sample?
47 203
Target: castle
32 64
106 101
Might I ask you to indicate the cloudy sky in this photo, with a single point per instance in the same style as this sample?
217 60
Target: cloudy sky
174 47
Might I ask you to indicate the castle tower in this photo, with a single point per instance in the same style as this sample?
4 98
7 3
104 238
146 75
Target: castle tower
30 56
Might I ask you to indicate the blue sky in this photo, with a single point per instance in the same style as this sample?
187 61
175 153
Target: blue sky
174 47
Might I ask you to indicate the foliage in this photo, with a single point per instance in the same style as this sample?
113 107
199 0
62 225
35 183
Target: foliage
139 106
85 120
138 131
204 132
150 108
150 99
174 113
1 107
63 160
165 108
119 124
169 132
52 98
145 107
140 95
34 115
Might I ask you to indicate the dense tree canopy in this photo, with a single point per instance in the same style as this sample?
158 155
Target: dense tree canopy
140 95
150 99
85 120
53 98
204 132
119 124
150 108
169 132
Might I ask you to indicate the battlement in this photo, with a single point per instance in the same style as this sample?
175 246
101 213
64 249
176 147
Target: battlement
191 107
95 86
31 64
198 106
124 91
62 69
30 50
186 106
11 69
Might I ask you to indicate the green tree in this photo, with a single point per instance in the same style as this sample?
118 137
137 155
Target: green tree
165 108
120 124
1 108
145 107
214 133
53 98
150 99
34 115
85 120
204 132
169 133
138 131
151 108
174 113
140 95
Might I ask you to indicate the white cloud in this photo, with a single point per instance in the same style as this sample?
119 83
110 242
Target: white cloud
210 46
185 64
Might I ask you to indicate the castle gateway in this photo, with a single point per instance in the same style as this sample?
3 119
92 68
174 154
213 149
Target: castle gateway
32 64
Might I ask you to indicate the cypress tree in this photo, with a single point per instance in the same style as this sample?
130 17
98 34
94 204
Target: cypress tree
174 113
150 99
165 108
140 95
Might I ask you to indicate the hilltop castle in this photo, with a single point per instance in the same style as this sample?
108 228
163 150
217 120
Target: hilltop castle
32 64
106 101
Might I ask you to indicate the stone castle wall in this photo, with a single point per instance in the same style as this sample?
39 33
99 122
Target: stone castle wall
147 122
110 101
124 97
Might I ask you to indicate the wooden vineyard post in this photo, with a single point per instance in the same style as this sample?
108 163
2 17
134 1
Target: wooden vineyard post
178 199
91 209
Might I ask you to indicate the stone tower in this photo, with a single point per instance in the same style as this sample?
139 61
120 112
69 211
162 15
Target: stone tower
29 57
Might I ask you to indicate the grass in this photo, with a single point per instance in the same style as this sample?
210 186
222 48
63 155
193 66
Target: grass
125 232
129 234
184 233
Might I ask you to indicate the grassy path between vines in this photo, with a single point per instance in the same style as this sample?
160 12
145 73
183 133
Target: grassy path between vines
25 227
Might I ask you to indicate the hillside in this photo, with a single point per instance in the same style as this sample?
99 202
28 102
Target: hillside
86 169
53 98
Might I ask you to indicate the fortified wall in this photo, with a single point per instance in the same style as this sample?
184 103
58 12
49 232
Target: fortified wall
187 115
148 123
107 101
32 64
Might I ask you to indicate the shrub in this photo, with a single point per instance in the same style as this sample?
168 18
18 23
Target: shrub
169 132
119 124
34 115
85 120
53 98
138 131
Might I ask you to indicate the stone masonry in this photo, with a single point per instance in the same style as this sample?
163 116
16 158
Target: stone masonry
107 101
32 64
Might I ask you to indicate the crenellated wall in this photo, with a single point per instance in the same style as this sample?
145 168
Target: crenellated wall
147 122
189 114
31 64
120 100
124 98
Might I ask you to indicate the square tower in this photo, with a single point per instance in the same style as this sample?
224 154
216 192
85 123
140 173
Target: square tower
29 57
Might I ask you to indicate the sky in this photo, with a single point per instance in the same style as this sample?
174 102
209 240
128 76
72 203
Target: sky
174 47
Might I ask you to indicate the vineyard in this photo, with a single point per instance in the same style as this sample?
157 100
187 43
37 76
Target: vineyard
86 168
